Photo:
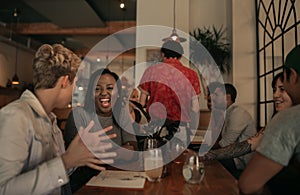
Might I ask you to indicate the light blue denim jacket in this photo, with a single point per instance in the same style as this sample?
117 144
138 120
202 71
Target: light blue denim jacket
30 161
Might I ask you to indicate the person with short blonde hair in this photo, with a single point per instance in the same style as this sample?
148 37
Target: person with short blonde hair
52 62
33 159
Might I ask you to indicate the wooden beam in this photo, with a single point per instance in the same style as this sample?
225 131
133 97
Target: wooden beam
52 29
94 54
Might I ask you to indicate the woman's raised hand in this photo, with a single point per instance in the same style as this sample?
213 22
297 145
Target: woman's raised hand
89 149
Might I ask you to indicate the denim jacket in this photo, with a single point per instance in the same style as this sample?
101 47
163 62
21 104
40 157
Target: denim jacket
30 149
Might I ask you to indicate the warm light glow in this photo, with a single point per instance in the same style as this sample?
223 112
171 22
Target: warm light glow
15 82
122 5
80 88
174 38
15 13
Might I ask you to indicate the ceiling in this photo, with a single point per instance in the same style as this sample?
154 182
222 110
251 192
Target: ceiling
78 24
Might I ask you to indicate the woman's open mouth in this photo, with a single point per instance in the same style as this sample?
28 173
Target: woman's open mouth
105 102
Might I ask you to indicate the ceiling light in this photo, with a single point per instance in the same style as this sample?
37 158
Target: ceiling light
174 36
15 79
15 13
122 4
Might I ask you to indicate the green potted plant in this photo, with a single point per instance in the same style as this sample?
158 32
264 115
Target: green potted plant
217 45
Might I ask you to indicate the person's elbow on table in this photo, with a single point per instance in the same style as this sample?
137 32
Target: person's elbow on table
249 187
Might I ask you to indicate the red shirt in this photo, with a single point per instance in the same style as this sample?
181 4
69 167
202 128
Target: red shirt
171 87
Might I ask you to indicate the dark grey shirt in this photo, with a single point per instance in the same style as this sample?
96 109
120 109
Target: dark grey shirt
79 117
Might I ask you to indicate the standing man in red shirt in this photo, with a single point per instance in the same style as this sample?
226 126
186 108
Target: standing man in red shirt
173 90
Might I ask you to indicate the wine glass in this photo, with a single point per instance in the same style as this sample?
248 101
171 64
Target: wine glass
193 169
153 160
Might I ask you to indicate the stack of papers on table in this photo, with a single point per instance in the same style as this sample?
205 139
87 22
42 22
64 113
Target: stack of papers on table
119 179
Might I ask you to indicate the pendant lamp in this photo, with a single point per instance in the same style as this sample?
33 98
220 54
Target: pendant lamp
15 79
174 36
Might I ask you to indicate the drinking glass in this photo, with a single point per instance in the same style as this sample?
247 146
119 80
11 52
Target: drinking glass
177 150
193 169
153 160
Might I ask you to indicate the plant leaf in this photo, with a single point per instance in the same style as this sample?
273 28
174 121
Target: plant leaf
217 45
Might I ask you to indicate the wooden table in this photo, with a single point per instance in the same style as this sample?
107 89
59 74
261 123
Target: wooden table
217 180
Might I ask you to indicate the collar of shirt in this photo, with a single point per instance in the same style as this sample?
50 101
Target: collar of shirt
172 61
35 104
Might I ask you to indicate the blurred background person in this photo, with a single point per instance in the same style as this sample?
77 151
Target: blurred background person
140 117
281 101
238 125
173 90
134 96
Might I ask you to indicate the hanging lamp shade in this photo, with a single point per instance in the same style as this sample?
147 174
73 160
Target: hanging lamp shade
15 80
174 36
